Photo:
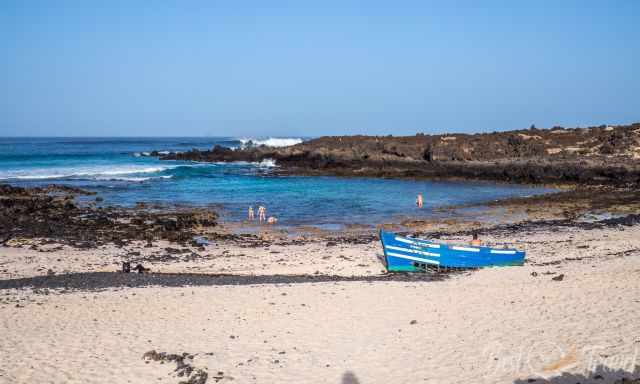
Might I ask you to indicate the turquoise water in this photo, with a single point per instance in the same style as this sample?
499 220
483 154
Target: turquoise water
120 172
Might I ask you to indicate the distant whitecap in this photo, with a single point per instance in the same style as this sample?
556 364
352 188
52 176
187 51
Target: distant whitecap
271 141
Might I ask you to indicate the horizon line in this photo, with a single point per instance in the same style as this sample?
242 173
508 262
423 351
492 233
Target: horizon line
250 137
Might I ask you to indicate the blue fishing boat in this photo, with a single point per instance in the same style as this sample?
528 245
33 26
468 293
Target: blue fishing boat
409 254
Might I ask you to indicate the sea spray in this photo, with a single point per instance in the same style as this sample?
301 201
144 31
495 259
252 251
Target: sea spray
270 142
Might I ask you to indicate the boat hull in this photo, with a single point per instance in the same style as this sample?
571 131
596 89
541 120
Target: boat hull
407 254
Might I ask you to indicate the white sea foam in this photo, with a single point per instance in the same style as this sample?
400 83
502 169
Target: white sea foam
97 173
267 163
133 179
272 141
148 154
9 175
128 170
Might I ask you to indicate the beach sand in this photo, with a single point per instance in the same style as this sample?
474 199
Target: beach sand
488 326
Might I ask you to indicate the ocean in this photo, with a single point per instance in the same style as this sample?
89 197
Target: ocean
121 171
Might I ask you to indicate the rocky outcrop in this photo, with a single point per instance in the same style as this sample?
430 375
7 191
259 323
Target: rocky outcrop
52 213
595 155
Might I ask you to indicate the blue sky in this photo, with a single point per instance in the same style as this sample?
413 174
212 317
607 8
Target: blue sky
242 68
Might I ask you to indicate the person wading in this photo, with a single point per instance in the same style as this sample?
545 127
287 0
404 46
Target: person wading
262 213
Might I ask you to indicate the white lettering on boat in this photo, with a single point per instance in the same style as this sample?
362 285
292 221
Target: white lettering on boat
400 256
503 252
403 240
466 249
413 251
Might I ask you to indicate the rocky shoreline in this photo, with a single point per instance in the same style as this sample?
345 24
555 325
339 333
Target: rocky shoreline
587 156
53 214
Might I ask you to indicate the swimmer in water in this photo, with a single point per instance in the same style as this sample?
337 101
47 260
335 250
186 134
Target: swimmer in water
251 216
272 220
419 200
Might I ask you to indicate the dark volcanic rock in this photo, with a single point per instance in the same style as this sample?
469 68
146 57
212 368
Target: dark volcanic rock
184 368
596 155
52 214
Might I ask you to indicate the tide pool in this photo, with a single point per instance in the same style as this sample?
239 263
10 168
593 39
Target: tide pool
120 171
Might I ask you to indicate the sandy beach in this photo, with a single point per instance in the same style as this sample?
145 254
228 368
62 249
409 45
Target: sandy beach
569 315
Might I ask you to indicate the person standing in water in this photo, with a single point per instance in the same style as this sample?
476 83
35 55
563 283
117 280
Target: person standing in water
419 200
251 216
262 213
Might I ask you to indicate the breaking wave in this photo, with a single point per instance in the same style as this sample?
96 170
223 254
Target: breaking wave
267 163
271 141
132 179
130 172
148 154
126 173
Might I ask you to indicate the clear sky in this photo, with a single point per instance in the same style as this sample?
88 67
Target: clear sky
244 68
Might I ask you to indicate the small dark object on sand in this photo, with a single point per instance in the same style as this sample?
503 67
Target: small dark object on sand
200 241
183 366
560 277
534 273
126 267
413 322
140 269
